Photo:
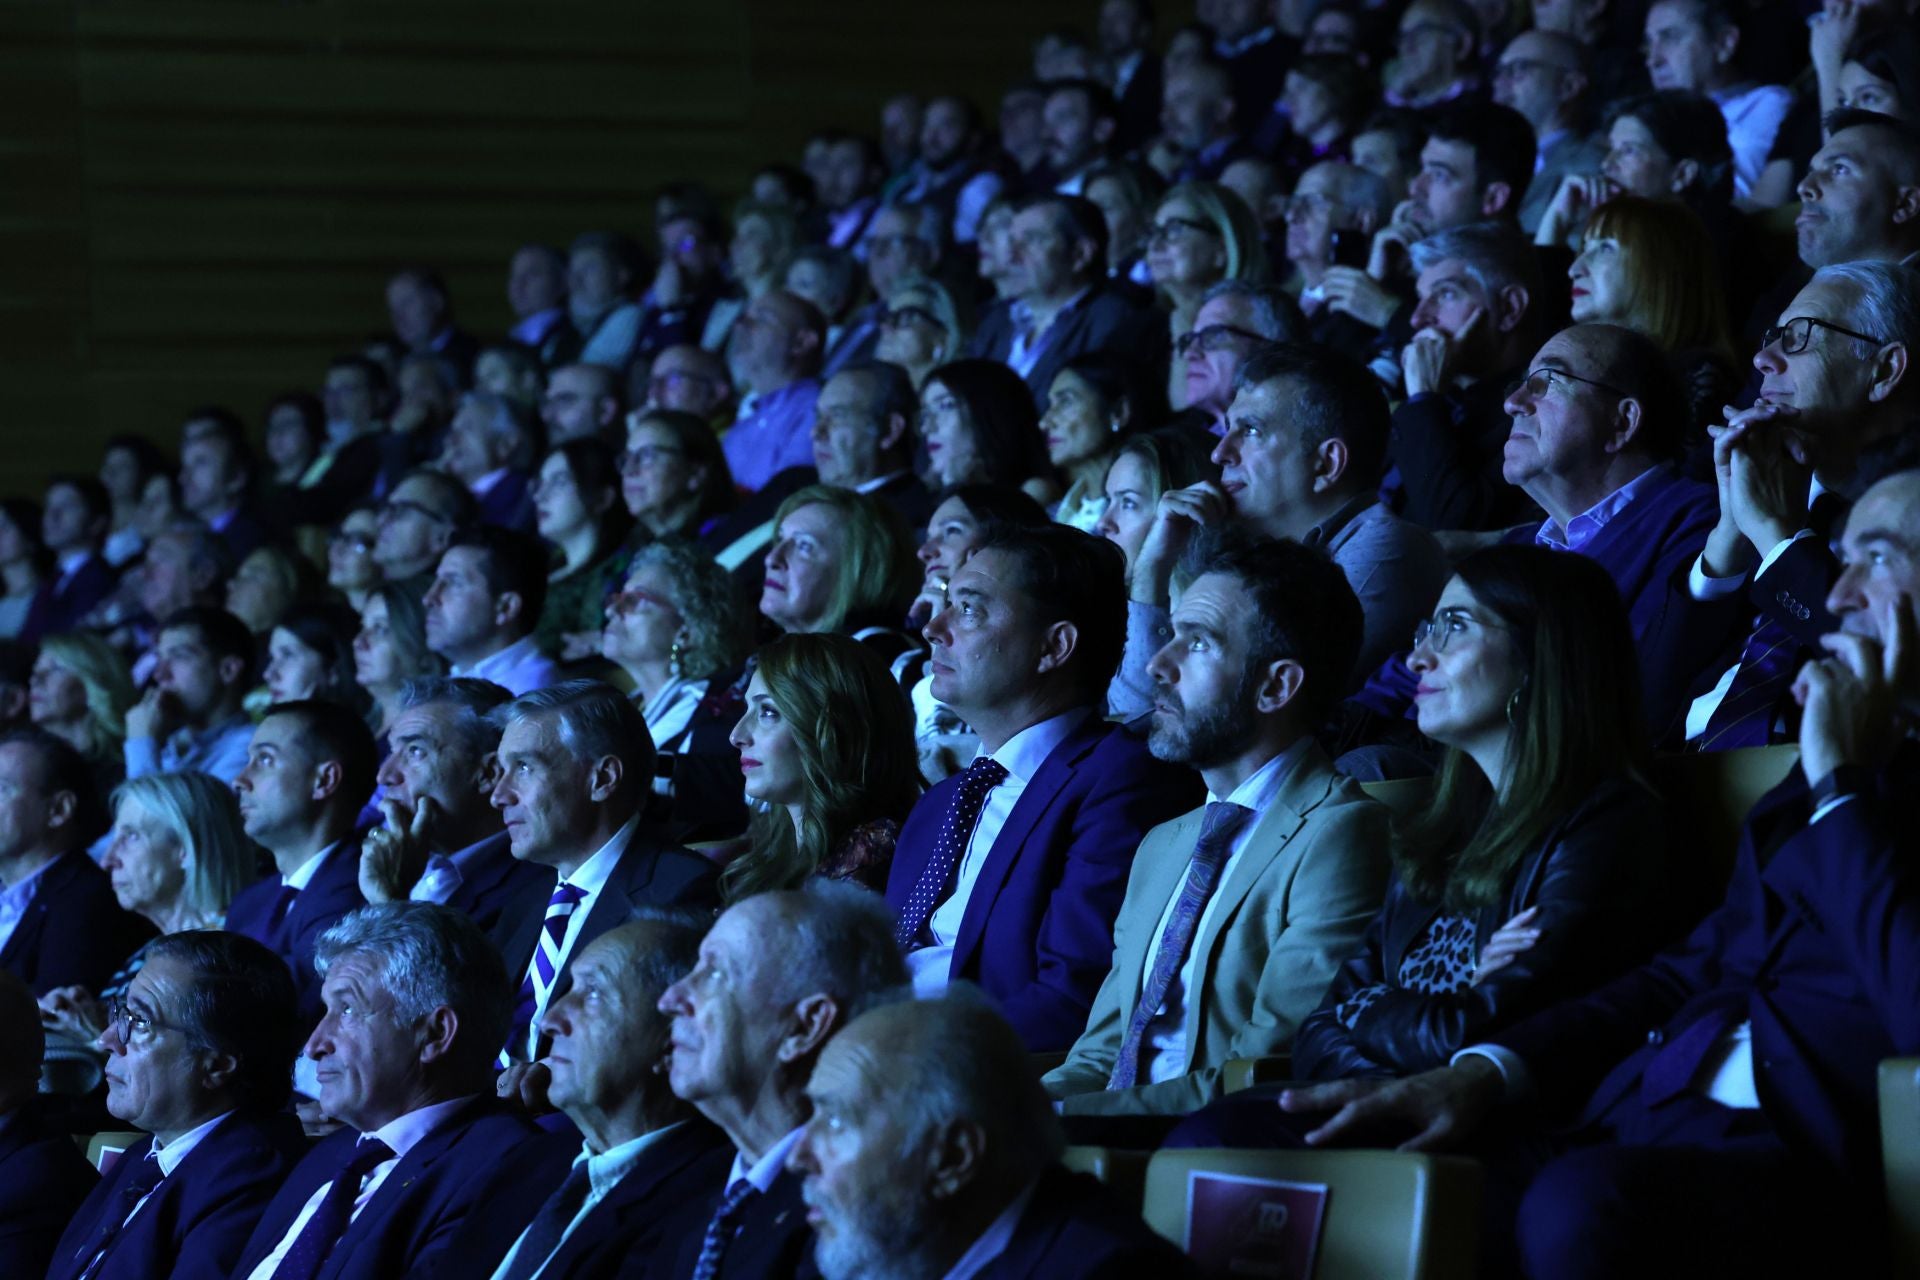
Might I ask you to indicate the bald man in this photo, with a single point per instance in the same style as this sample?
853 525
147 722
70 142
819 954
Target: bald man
773 354
43 1176
931 1143
1543 76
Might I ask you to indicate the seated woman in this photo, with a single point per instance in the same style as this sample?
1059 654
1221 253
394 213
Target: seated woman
826 750
267 584
673 476
391 649
1144 467
1667 145
177 855
1538 869
920 329
1882 73
675 629
978 426
1202 234
80 691
577 507
1650 265
842 561
311 655
1095 402
1125 192
350 567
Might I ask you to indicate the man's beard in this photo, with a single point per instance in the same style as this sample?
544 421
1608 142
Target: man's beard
1205 738
878 1240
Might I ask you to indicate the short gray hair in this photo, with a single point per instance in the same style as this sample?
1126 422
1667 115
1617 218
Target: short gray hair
509 420
473 702
430 955
843 945
1886 302
1494 255
1359 188
594 720
1276 316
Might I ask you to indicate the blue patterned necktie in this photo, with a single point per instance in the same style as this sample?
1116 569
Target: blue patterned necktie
333 1214
721 1230
1218 827
982 776
538 983
550 1225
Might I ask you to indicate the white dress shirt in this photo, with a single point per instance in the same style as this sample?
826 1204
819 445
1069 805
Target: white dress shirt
16 898
402 1134
762 1172
590 877
445 873
519 668
1021 756
604 1172
1166 1034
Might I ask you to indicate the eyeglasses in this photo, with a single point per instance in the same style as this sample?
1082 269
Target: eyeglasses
648 454
1436 631
1540 381
1215 338
1795 334
129 1024
1168 229
900 317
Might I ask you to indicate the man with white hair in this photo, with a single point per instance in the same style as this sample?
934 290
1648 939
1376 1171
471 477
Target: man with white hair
492 447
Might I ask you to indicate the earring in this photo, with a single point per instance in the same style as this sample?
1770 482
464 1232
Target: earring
1114 426
673 659
1513 708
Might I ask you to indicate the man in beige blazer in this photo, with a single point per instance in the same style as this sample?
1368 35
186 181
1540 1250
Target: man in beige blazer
1238 913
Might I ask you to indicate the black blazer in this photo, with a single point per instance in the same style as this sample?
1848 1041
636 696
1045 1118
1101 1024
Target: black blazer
1608 893
59 606
1108 319
332 893
493 880
773 1241
74 932
43 1179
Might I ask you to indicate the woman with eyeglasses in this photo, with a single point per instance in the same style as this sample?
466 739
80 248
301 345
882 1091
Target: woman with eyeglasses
676 630
578 510
920 329
978 426
391 649
350 567
673 476
1094 403
1202 234
1538 867
177 856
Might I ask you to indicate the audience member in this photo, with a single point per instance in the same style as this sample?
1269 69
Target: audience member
1144 467
978 423
1436 43
43 1176
1695 45
843 562
1236 318
350 565
1080 119
127 464
270 581
1238 913
1202 234
1095 400
391 649
483 605
1665 145
197 1053
418 521
580 400
1542 75
537 292
421 312
920 329
190 717
491 448
578 509
217 474
773 354
1198 122
1126 193
23 565
310 655
863 438
80 692
1023 652
603 319
73 530
689 379
1334 211
673 477
1124 31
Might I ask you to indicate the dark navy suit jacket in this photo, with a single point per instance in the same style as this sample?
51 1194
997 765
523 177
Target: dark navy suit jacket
1817 945
59 605
332 893
74 932
419 1207
43 1179
198 1219
1107 319
773 1241
1072 1229
509 503
492 880
1037 934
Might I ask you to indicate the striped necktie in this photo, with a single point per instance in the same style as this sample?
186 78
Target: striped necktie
721 1230
538 984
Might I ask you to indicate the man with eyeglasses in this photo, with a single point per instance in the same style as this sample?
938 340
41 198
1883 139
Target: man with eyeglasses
581 401
774 354
1836 410
1235 320
1542 75
417 523
1060 302
197 1053
1330 220
1436 41
902 241
690 379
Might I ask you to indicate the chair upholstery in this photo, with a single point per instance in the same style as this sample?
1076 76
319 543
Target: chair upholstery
104 1148
1900 1149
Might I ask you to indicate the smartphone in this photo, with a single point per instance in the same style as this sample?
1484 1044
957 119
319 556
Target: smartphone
1350 249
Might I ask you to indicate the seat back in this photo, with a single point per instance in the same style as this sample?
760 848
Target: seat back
1900 1150
105 1148
1121 1171
1381 1215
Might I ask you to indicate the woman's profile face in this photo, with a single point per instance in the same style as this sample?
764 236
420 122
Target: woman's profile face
1467 669
953 453
1636 163
293 670
1601 287
1131 500
1074 425
375 664
769 755
143 860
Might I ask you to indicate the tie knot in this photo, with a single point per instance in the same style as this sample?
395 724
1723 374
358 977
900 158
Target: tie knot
1221 823
985 773
565 895
368 1153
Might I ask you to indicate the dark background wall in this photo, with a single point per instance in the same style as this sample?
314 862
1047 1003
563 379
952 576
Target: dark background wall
199 202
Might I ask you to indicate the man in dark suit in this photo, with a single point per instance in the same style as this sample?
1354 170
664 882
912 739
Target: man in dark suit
440 838
1010 874
60 925
43 1176
778 976
73 525
1731 1081
218 471
197 1053
1061 304
1200 117
493 446
417 1003
931 1147
648 1162
576 768
421 311
309 770
1125 34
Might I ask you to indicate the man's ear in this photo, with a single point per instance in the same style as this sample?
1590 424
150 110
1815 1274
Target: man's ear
954 1158
506 608
1103 130
1061 640
1572 84
486 776
804 341
1330 461
230 670
603 779
217 1070
438 1033
1509 307
893 431
327 779
62 808
1626 426
1685 172
814 1019
1889 370
1279 686
1726 44
1494 198
1906 204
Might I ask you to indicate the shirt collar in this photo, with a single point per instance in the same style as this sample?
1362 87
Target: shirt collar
762 1172
878 482
485 484
74 561
1585 527
1258 790
591 876
181 1147
1329 529
1023 754
500 659
304 875
1234 48
20 892
604 1171
404 1133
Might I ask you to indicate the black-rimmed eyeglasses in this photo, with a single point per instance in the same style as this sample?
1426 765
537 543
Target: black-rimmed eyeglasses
1795 334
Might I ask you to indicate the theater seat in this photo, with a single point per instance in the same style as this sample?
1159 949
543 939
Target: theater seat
1388 1216
1244 1073
1122 1172
104 1148
1900 1150
1710 794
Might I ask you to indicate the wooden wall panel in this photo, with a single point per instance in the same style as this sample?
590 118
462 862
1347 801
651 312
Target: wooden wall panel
203 199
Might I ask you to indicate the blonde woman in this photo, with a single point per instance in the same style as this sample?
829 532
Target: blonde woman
1202 234
80 691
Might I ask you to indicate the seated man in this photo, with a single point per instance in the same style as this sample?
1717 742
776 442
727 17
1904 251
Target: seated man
1062 304
779 975
1478 318
421 312
1542 75
60 924
1199 120
1855 202
773 352
863 438
417 523
575 772
440 838
197 1054
492 447
1010 874
73 526
931 1148
1334 211
692 380
1731 1080
217 474
1437 42
537 292
1239 914
1694 44
1234 320
191 717
43 1176
417 1002
486 597
581 401
309 770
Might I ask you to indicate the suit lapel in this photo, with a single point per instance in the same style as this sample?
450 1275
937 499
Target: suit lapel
411 1169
